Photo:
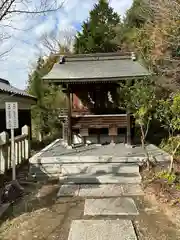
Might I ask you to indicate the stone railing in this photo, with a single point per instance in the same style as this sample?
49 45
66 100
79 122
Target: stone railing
22 149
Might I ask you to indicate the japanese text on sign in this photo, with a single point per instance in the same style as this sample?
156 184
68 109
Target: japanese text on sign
12 115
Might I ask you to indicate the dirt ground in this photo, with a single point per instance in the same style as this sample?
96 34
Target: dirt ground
159 191
40 215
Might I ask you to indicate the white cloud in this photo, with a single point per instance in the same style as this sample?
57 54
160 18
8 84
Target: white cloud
46 26
79 10
16 66
121 6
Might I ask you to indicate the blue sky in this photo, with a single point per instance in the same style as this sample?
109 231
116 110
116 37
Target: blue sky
27 45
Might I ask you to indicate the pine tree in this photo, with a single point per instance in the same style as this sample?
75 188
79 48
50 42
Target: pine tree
98 32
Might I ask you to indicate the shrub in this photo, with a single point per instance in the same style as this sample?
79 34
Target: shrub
169 144
169 177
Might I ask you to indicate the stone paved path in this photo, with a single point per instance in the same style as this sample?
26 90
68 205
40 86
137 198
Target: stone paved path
111 196
102 230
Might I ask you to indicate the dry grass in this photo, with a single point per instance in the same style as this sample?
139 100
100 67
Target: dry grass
165 192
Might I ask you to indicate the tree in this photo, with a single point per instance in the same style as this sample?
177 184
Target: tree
140 100
10 10
156 41
139 14
168 113
98 31
36 88
128 33
45 114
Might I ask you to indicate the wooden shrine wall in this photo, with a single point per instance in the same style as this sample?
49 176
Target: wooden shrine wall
99 121
92 98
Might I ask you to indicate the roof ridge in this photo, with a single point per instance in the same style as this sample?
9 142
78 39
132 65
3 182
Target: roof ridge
97 57
84 55
2 80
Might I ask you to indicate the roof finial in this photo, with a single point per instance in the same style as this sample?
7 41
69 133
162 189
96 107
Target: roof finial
133 56
62 59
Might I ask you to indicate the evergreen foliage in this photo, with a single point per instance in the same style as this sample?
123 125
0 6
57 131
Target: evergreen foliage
49 100
98 32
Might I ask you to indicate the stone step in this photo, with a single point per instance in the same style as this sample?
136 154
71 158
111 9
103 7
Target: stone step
123 169
77 168
75 159
99 191
122 206
102 230
100 179
101 168
110 190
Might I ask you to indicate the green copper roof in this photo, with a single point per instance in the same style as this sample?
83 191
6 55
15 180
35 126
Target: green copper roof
95 67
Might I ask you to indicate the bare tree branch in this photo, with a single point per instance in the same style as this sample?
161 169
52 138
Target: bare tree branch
55 43
13 8
5 53
9 7
5 8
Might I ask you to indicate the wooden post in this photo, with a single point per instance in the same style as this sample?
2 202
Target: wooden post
63 130
84 132
13 159
133 130
25 130
128 141
113 132
98 137
69 116
4 158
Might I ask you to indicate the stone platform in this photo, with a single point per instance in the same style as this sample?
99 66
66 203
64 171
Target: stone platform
122 206
57 161
102 230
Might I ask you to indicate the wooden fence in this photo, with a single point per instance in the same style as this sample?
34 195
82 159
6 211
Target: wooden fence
22 149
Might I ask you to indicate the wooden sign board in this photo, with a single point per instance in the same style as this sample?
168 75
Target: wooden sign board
84 132
12 121
113 131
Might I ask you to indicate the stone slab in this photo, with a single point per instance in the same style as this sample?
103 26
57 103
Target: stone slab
74 159
119 152
93 168
68 190
132 190
99 179
102 230
159 154
102 190
122 206
110 190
